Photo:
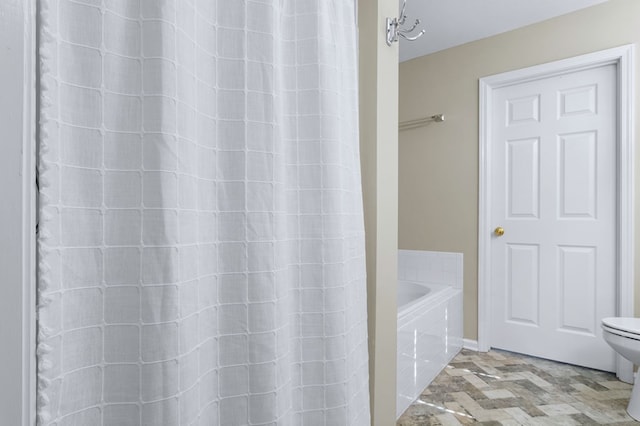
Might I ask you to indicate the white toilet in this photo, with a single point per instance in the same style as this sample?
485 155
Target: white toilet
623 335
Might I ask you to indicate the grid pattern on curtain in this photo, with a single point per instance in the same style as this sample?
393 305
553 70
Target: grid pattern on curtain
201 243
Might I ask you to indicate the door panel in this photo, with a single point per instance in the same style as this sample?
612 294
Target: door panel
553 192
524 190
523 283
577 101
578 289
578 192
523 110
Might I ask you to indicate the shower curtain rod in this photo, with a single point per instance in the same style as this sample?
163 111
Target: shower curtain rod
410 124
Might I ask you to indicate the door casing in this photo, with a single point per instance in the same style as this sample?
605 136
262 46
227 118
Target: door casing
623 58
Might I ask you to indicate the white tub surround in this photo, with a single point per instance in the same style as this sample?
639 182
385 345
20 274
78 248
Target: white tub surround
429 319
434 267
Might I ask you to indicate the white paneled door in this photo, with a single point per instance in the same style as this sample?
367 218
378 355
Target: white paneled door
554 196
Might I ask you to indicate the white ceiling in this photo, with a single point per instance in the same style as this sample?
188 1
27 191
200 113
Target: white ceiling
449 23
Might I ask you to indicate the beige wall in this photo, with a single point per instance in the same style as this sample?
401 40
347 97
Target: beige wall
379 159
438 163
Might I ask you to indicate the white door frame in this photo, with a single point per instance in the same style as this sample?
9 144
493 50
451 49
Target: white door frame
17 212
623 58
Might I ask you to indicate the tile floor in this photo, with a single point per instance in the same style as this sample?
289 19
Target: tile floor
503 388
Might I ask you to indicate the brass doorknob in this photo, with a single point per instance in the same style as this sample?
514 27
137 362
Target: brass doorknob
499 231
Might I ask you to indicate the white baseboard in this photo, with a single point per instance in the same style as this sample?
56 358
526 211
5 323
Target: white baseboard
469 344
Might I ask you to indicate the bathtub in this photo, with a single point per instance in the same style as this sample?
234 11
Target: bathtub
429 334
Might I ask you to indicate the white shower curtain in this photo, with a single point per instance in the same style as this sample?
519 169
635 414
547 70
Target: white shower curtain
201 242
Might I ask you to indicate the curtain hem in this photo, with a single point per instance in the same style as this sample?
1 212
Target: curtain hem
46 50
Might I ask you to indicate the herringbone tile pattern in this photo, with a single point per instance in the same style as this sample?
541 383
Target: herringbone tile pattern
502 388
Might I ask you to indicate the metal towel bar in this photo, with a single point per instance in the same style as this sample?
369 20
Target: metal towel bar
410 124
